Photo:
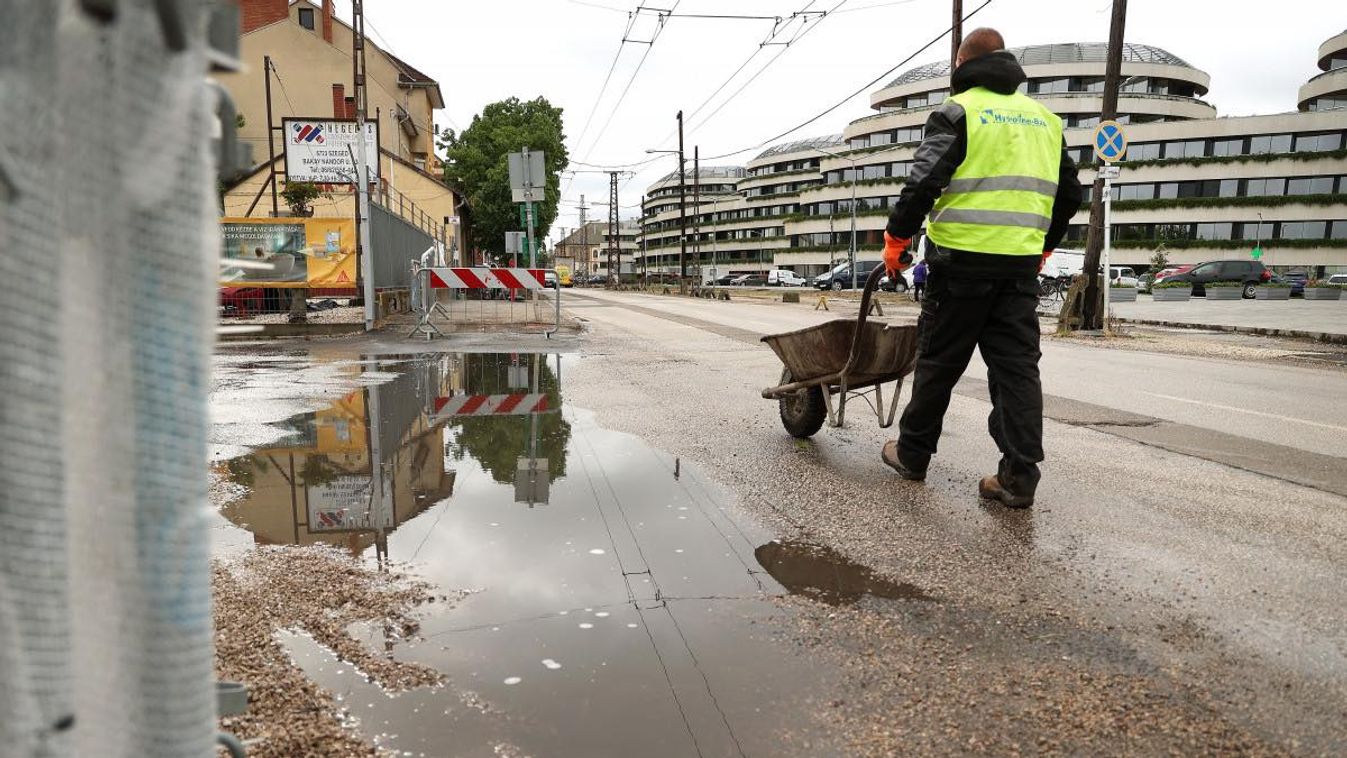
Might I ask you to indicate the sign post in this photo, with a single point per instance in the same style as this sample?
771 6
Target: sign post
528 181
1110 144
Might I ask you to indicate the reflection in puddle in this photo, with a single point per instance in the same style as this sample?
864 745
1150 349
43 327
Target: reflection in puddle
616 607
825 575
351 474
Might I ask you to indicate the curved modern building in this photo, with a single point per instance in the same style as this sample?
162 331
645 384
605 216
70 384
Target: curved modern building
1203 187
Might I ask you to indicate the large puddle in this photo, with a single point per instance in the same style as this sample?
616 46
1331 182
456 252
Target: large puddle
619 604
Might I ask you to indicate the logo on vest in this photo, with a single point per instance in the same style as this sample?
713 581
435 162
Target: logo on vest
1014 118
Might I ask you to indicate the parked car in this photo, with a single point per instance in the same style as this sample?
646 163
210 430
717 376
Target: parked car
842 277
726 280
780 277
901 284
550 279
1297 281
1339 280
750 280
1249 273
1122 275
1146 282
596 279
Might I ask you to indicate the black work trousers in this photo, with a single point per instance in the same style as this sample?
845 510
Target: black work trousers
999 317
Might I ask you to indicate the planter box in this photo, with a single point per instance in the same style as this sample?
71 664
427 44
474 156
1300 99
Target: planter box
1122 294
1225 293
1272 293
1323 293
1172 294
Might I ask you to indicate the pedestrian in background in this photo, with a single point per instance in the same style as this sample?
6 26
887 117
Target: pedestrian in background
993 172
918 280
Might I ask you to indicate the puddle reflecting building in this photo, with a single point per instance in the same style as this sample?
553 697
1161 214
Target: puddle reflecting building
352 473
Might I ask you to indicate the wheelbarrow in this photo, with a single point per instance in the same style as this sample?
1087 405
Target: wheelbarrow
831 362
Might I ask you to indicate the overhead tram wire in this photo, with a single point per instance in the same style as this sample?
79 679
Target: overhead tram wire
848 98
659 29
777 29
803 31
631 23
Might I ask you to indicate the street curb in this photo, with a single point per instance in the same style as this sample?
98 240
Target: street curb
1331 338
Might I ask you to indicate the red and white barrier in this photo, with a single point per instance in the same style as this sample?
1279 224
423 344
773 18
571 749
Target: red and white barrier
487 278
520 404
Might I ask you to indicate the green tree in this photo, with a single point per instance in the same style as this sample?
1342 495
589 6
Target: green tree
1160 260
476 161
498 442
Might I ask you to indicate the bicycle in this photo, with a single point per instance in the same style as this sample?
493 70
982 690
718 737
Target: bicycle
1052 292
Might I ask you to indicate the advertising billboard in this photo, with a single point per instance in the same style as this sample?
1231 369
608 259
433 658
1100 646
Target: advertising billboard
298 252
321 150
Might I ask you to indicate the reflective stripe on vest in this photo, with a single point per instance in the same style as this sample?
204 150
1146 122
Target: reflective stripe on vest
1000 198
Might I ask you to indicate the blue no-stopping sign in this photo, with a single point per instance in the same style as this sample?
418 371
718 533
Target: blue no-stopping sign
1110 143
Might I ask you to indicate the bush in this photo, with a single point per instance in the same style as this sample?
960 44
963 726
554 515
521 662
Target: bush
1120 285
1278 285
1174 285
1209 285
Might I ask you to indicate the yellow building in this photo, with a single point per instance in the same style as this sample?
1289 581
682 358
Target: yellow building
311 77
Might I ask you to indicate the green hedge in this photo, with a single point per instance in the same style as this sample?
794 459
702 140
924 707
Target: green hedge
1151 244
1226 202
1172 286
1214 159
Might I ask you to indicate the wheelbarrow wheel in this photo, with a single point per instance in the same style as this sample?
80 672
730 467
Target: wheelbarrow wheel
803 412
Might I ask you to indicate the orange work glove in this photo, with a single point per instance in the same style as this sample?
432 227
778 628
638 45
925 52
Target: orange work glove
1046 255
896 256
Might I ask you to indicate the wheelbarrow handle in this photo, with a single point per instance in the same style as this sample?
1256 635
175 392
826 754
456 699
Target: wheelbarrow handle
871 284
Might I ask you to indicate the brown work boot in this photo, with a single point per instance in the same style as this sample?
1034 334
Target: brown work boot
908 467
990 488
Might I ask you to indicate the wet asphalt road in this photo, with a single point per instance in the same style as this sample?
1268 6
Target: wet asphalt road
808 602
1217 590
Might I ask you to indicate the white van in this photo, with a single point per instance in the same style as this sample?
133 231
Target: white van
1063 264
780 277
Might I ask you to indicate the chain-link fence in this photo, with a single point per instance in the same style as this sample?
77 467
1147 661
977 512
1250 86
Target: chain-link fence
107 275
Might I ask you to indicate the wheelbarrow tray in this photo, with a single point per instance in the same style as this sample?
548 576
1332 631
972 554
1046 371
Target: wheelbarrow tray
817 355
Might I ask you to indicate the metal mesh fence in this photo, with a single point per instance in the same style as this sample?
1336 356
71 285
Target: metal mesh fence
109 247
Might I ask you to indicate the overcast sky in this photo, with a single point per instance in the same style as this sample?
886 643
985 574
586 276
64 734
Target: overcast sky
1258 55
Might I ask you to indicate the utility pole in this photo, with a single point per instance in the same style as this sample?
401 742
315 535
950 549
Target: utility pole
955 35
614 253
682 213
584 236
364 253
271 139
697 209
1090 302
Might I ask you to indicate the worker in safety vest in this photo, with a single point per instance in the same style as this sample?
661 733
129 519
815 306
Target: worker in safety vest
993 173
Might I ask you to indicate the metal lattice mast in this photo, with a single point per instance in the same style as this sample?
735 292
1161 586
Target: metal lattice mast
614 252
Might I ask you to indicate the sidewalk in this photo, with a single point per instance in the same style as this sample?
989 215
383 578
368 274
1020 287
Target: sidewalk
1326 322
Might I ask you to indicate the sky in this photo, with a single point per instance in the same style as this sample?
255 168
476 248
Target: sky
484 51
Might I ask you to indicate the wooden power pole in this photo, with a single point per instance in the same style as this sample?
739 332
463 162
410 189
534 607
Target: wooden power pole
1091 302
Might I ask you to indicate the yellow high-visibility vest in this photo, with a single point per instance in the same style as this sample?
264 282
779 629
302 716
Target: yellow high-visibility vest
1000 198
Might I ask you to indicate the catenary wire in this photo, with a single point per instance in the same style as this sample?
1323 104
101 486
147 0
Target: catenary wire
848 98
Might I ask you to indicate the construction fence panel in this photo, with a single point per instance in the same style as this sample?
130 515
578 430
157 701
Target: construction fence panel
484 299
396 243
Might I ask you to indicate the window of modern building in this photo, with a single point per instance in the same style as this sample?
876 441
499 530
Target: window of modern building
937 97
1216 231
1136 192
875 172
306 18
1168 190
1047 86
1145 151
1269 143
915 101
881 138
1315 185
1327 104
1302 230
1224 147
1339 230
1337 62
1318 142
1186 149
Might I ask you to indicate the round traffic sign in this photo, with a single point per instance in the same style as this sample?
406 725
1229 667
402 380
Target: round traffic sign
1110 142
